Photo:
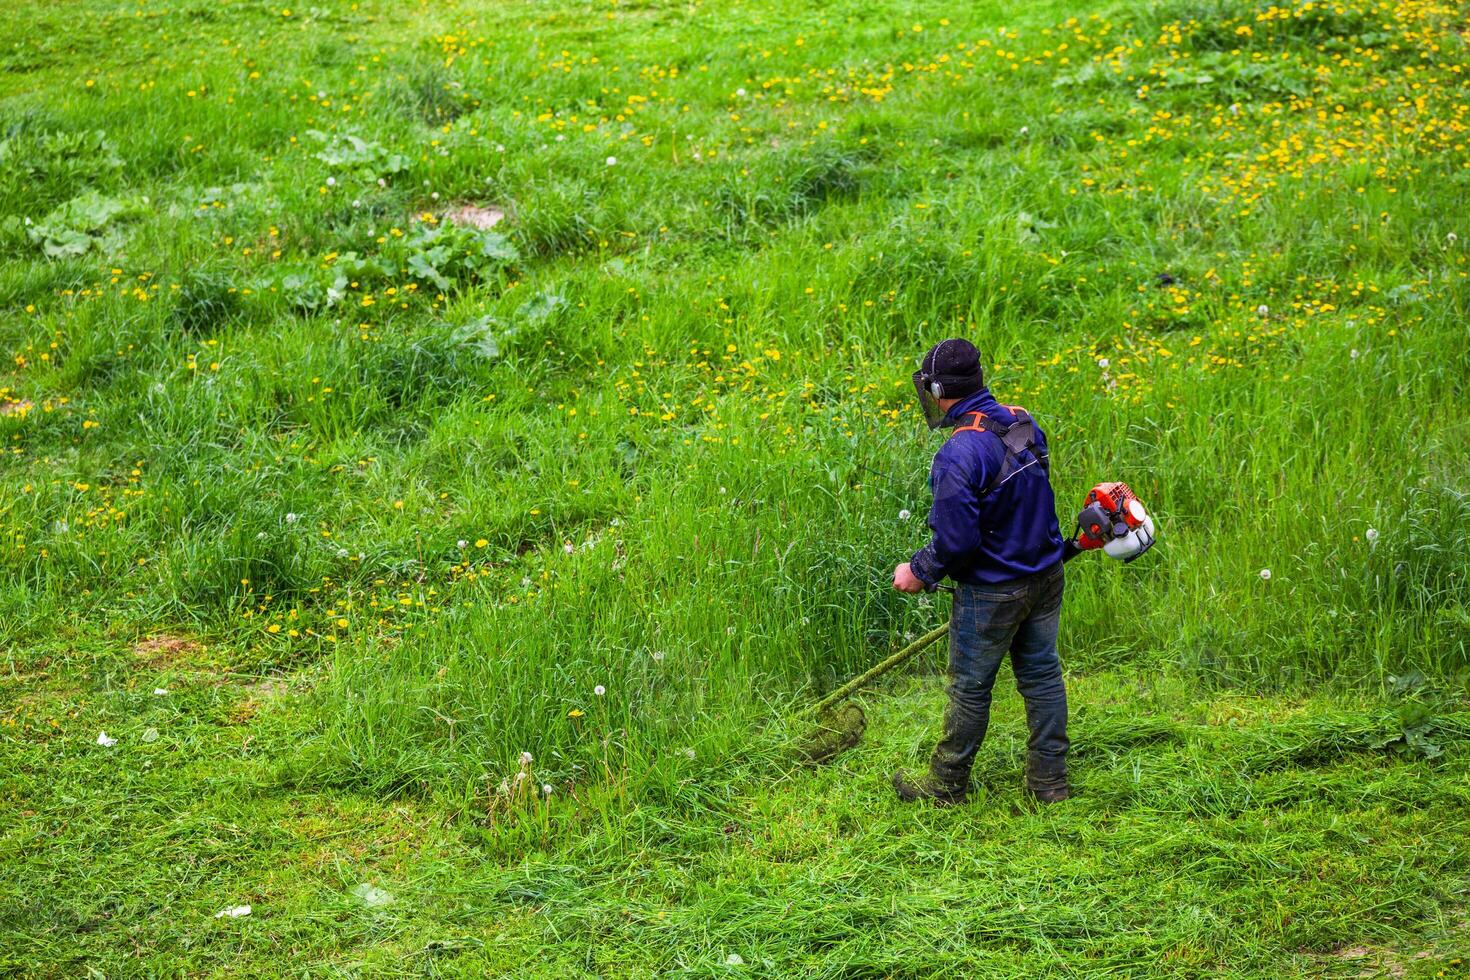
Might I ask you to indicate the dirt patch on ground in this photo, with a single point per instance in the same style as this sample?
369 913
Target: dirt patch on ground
257 695
166 651
1376 962
481 216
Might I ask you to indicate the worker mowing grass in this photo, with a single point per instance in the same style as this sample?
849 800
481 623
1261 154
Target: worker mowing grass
996 536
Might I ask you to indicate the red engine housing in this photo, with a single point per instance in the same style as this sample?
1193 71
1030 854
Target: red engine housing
1110 510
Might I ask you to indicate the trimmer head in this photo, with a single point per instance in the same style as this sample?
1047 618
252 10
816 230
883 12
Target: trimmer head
838 729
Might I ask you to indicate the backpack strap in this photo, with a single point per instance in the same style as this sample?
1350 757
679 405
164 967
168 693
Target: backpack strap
1017 438
974 422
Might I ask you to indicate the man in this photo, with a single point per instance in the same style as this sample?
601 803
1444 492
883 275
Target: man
996 536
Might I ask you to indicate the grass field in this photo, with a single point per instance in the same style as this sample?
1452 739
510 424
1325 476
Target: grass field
447 590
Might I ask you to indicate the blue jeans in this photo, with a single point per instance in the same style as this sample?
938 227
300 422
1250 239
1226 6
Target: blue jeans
986 622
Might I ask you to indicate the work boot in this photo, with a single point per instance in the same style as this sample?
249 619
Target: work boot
1046 780
1056 795
926 788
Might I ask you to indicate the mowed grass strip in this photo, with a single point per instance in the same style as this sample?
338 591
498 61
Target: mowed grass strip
1234 835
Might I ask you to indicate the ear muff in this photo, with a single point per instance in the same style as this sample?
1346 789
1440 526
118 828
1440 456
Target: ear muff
936 389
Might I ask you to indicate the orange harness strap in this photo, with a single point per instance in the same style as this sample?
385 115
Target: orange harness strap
976 425
1016 438
978 420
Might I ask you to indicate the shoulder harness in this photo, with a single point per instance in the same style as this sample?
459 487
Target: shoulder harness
1018 438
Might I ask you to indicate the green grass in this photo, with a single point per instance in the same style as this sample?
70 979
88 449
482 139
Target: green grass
380 501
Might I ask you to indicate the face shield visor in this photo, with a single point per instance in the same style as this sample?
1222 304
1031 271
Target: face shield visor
927 389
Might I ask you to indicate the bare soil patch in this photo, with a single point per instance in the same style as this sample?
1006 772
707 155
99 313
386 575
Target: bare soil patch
165 650
481 216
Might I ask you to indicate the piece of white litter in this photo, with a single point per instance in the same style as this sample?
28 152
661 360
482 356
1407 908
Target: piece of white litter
372 896
105 741
734 959
150 734
160 691
233 912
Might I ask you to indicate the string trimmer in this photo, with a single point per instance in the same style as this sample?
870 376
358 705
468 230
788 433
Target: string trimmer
1112 518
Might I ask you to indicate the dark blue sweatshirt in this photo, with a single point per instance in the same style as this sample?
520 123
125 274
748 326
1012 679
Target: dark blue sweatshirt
984 538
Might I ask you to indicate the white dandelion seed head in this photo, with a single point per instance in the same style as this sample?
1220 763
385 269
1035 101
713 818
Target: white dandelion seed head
568 548
740 92
499 148
434 196
331 181
1353 353
1025 130
1371 534
382 182
1265 575
292 518
599 690
1103 363
904 515
1452 238
612 161
461 544
356 203
1262 310
658 656
545 789
525 758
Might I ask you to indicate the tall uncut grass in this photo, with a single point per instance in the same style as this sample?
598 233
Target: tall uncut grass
652 433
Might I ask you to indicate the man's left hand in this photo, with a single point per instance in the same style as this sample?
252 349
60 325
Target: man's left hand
904 579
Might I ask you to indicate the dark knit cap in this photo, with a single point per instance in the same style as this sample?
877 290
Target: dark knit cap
955 364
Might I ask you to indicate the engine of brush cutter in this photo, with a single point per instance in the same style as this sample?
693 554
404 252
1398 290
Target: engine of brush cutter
1115 520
